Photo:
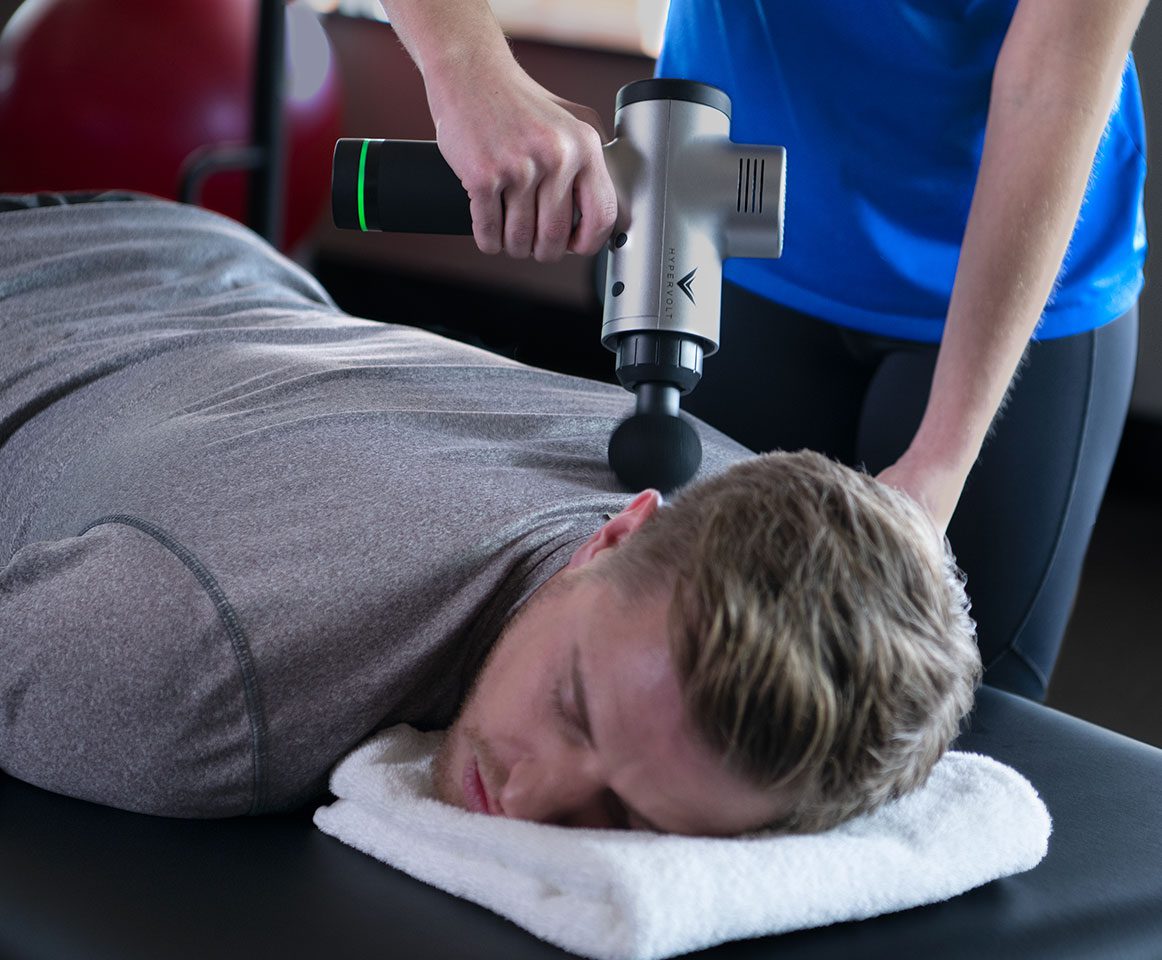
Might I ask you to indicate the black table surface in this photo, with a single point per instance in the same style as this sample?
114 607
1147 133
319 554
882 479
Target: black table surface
83 881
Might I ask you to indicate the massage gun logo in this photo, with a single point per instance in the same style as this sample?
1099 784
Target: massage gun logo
685 284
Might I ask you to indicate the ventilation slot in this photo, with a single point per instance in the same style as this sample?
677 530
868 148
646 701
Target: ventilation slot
750 184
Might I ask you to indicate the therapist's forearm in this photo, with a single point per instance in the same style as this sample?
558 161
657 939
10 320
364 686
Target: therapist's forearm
450 38
530 162
1051 99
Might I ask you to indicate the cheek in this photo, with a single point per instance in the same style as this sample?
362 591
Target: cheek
509 697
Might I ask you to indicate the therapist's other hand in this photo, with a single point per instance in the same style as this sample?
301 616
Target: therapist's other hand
526 158
935 488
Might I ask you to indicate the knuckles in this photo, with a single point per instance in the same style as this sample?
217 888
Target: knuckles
557 151
605 214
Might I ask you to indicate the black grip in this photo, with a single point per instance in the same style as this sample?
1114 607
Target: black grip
404 186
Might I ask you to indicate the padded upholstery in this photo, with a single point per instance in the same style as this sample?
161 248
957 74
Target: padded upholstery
82 881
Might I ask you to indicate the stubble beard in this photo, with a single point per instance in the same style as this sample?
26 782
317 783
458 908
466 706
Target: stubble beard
445 779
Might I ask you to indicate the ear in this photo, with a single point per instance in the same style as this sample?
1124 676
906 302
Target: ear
618 528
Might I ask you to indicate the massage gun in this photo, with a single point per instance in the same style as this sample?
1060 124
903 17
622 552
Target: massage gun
687 197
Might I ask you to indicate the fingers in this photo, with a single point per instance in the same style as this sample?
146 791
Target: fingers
535 176
487 213
554 219
523 212
571 208
520 220
597 202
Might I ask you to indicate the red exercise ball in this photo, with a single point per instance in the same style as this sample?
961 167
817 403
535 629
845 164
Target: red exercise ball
115 94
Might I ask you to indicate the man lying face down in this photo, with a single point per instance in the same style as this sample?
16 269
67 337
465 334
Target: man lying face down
241 531
786 646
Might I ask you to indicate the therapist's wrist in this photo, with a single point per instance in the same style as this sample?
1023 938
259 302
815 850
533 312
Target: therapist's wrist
950 449
477 55
456 79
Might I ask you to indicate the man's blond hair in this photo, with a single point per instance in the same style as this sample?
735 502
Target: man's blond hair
819 629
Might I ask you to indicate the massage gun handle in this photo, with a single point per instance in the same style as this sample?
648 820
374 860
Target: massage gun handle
403 186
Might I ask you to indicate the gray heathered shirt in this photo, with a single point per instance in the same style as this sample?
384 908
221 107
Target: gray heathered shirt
239 529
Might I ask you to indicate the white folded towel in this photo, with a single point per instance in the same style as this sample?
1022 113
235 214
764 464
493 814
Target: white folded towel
619 895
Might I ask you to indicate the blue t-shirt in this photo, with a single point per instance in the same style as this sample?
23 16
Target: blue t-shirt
883 114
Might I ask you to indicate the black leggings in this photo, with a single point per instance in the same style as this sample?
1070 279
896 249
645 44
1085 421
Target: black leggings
785 380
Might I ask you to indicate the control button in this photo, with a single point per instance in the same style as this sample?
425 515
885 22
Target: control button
617 288
620 241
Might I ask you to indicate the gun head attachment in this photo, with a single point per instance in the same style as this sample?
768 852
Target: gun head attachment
656 446
656 450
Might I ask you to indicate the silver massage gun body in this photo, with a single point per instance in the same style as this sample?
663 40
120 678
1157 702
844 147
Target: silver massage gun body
688 198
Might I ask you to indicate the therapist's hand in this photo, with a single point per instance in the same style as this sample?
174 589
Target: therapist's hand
936 488
526 158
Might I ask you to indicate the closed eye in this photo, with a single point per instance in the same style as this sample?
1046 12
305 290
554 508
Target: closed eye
622 816
563 714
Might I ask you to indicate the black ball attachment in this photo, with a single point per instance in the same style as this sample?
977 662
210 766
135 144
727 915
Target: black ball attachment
656 446
654 450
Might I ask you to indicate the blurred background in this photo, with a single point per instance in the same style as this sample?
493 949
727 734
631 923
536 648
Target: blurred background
99 94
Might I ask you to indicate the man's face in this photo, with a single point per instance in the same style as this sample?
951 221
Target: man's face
577 718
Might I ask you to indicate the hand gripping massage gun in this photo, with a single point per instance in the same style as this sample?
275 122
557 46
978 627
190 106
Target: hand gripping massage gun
688 198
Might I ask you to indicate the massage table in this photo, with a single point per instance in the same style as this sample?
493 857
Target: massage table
83 881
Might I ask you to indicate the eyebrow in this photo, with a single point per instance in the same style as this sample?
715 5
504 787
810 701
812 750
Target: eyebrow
583 717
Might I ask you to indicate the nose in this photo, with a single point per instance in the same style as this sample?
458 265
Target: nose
562 794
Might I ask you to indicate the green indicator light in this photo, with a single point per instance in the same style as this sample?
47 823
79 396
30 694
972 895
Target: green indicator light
362 168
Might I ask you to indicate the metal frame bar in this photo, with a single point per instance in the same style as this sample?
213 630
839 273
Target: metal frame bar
264 157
